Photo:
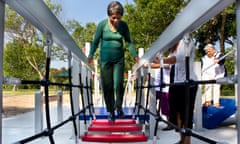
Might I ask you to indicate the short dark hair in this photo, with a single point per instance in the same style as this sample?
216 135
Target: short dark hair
115 7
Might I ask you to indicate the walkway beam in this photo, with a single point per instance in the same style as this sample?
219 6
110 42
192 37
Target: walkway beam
2 13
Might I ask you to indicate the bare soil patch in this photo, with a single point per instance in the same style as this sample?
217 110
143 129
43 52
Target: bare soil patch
18 104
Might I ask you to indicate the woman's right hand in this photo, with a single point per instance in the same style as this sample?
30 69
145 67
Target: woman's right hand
90 60
136 59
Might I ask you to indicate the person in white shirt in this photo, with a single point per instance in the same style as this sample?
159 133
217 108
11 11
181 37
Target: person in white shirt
212 68
182 102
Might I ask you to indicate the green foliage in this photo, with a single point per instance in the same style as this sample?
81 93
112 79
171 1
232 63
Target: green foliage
148 19
220 29
228 90
15 63
81 34
24 55
17 57
230 62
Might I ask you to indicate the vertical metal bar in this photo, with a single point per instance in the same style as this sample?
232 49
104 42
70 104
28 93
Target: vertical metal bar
88 87
140 93
46 88
161 89
96 82
75 91
2 13
198 111
187 91
38 112
90 93
187 85
136 97
238 68
147 98
71 92
59 106
129 89
83 101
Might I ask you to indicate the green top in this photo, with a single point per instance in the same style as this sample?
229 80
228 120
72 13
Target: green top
111 46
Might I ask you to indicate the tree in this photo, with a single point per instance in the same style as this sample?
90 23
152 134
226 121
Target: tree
25 47
15 62
84 34
24 35
148 19
221 28
14 58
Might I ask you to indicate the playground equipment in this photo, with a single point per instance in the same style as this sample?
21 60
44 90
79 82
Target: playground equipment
36 12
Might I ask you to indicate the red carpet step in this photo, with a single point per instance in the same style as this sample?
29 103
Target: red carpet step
114 138
115 128
121 130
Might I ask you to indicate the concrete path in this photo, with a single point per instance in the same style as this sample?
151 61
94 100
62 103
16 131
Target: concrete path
22 126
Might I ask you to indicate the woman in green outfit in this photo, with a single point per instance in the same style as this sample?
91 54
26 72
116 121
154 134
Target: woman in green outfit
110 34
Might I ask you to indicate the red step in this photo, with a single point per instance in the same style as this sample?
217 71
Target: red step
114 128
116 122
114 138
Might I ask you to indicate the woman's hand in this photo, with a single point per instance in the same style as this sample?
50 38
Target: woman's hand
90 60
136 59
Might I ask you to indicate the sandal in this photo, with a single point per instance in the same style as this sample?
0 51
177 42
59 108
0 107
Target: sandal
180 142
167 128
111 117
217 105
207 103
120 114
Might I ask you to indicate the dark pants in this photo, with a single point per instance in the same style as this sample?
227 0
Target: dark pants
177 104
112 83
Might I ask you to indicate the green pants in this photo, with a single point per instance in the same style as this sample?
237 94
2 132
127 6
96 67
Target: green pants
112 84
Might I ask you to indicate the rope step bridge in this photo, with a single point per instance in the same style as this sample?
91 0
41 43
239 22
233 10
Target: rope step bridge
101 113
121 130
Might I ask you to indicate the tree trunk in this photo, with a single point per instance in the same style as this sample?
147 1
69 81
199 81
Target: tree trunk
15 87
222 31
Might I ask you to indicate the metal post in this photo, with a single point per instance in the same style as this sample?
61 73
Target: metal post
38 112
238 68
74 64
59 106
96 83
198 104
143 72
152 106
235 68
129 88
2 13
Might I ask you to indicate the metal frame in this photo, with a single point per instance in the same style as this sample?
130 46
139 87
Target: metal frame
194 15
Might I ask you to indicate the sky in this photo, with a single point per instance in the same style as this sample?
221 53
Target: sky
83 11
